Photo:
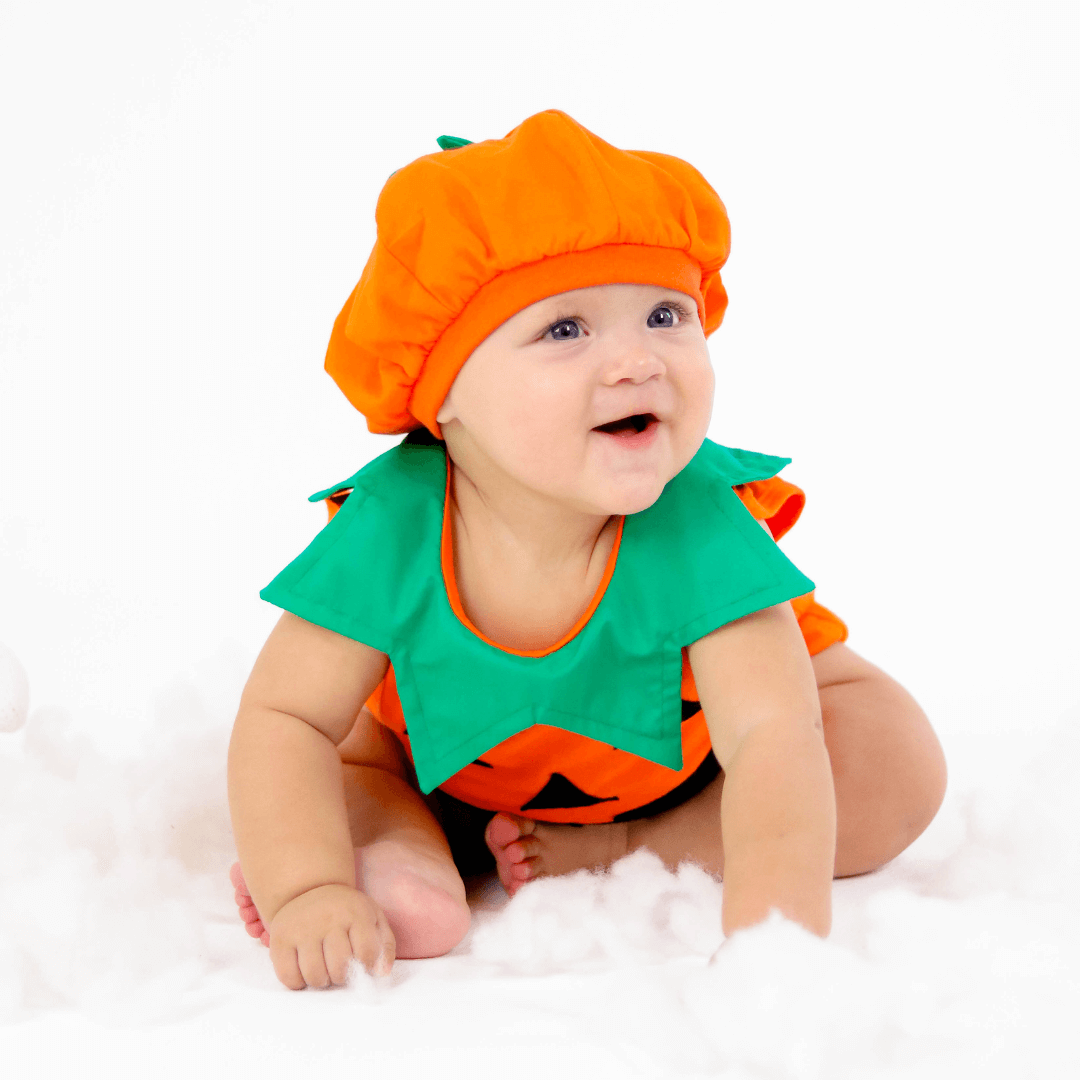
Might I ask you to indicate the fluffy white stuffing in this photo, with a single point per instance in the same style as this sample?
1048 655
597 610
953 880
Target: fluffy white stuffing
109 869
115 905
14 691
636 914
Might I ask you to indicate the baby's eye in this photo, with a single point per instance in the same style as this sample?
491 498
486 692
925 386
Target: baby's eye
671 309
556 326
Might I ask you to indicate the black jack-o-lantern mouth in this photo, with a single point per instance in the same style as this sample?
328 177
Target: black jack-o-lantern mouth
628 425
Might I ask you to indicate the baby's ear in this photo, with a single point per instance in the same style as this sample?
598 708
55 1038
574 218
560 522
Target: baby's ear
446 411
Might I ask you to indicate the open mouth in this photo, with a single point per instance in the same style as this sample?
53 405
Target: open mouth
628 425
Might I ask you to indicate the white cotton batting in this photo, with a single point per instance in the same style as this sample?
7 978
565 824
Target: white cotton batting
637 912
14 692
109 880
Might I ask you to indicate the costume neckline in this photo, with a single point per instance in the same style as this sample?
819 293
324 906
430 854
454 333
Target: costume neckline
446 554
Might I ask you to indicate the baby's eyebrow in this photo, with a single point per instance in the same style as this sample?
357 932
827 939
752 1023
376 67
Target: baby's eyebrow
573 310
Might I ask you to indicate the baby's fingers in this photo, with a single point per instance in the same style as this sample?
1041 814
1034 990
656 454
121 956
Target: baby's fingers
337 952
312 965
374 947
286 965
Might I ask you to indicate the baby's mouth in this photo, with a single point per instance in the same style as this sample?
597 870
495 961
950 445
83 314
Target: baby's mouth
628 425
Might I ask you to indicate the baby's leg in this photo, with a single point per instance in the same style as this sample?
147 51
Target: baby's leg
403 861
888 772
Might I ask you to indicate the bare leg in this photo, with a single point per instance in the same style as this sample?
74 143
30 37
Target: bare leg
888 771
403 861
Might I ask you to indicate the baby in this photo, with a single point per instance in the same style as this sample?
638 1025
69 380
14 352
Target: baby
552 626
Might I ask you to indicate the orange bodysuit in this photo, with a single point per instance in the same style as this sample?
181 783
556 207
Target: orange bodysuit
551 774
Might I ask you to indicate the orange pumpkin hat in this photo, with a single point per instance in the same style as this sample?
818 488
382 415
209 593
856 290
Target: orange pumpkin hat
468 237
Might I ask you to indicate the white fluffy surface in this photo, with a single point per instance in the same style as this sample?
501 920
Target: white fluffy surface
119 926
188 200
14 692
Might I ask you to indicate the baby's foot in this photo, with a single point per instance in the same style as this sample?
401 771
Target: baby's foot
253 924
421 894
422 897
525 849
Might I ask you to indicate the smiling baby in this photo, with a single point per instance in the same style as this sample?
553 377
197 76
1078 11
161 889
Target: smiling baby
552 625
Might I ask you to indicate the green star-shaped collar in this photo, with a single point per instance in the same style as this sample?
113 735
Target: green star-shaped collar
694 560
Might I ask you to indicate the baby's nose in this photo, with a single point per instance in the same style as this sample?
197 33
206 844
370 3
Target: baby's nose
636 365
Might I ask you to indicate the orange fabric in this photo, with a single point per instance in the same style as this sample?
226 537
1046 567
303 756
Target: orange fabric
774 501
466 238
510 774
333 503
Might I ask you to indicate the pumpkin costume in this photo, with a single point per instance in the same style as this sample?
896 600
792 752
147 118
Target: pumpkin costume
386 577
466 238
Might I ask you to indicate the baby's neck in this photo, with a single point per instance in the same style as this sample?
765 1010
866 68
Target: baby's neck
524 577
516 529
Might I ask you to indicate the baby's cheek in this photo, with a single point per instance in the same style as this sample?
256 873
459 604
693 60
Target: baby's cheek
543 433
548 462
697 414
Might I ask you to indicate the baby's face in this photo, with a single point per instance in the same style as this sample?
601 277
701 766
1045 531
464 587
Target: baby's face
537 402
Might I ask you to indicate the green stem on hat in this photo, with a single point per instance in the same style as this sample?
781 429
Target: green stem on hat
447 142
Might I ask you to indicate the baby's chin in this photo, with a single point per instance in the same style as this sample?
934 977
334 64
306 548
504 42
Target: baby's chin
629 498
631 491
626 480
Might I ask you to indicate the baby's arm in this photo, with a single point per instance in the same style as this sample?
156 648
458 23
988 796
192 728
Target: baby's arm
287 802
778 809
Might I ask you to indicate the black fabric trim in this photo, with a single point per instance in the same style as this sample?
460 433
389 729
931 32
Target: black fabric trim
422 437
464 824
697 781
559 793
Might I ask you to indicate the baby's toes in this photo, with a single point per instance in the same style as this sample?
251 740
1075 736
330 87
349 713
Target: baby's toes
514 875
504 829
256 929
524 870
524 847
501 830
515 849
253 923
249 913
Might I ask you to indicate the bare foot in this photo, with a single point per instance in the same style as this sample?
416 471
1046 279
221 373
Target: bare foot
253 924
422 896
423 899
525 849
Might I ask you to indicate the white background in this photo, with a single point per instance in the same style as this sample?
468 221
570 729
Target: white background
187 199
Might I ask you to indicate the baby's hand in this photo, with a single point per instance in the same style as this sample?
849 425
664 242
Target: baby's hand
315 935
